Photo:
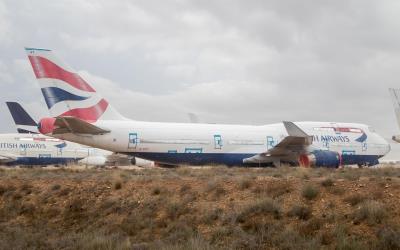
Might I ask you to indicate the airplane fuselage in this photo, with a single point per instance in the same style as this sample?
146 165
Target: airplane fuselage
200 144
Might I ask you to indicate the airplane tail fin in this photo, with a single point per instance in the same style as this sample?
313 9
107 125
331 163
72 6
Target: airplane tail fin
395 95
65 92
24 122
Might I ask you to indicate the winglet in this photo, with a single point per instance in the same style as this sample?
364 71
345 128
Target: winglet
293 130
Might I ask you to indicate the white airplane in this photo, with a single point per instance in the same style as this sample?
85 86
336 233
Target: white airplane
81 115
395 95
28 147
36 149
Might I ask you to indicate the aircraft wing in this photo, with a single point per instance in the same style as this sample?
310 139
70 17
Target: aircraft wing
293 144
5 158
69 124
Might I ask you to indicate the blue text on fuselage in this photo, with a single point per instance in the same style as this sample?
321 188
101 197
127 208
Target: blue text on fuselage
10 145
331 138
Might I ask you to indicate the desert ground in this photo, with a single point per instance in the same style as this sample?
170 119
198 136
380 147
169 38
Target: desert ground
200 208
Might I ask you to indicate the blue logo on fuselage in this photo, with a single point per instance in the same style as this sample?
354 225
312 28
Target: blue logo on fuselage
362 138
61 145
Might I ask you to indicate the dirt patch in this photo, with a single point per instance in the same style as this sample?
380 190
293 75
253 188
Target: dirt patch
200 208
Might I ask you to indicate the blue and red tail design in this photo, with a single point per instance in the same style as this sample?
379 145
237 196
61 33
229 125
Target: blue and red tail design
65 92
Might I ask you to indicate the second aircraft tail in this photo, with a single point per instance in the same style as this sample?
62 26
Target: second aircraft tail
24 122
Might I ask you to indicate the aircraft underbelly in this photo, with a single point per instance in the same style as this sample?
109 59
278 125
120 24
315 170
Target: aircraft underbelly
228 159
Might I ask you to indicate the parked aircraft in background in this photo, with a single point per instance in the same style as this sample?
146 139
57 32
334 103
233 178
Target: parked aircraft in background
36 149
81 115
395 96
31 148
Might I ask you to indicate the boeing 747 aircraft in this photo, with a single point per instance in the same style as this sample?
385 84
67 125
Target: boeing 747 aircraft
81 115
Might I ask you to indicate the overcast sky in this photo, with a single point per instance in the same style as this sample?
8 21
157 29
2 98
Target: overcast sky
242 62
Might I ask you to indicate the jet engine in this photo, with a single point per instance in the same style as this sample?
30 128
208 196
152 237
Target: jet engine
94 160
142 162
328 159
46 125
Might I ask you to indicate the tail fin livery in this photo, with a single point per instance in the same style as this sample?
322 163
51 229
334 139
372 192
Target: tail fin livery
65 92
24 122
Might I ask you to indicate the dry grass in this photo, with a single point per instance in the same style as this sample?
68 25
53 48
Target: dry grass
194 208
371 211
260 207
388 238
355 199
156 191
55 187
328 182
273 189
309 192
245 183
117 185
301 212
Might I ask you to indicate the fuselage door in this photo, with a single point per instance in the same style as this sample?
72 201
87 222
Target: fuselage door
217 142
270 142
133 140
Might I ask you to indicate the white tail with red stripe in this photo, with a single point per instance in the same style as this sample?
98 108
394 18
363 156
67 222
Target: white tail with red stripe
65 92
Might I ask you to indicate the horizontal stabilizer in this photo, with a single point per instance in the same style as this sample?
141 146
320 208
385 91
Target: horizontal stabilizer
25 131
69 124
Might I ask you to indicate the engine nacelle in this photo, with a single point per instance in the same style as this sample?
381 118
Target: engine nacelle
94 161
396 138
46 125
328 159
143 163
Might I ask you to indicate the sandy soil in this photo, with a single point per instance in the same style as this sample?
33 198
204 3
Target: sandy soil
204 208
